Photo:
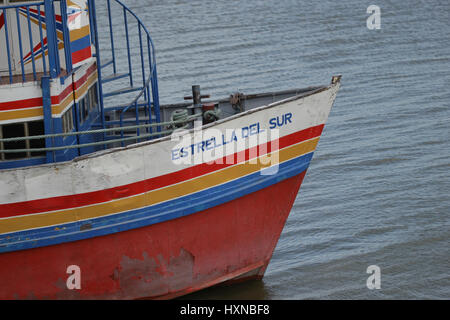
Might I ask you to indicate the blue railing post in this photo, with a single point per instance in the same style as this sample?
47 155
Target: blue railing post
128 45
94 32
52 39
48 121
111 35
8 50
19 34
66 36
155 92
30 35
41 35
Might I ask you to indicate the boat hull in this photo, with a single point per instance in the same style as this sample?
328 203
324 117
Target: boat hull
234 240
142 222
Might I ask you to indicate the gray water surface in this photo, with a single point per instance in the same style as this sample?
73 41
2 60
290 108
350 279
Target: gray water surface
377 191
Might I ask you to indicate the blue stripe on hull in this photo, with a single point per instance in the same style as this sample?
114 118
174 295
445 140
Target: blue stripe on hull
146 216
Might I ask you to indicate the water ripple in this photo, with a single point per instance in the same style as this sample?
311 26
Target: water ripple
378 188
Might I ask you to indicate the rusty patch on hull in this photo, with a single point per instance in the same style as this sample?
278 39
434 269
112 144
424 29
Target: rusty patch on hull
155 276
161 261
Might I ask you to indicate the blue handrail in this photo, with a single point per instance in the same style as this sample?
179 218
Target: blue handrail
46 60
66 37
31 44
112 38
149 89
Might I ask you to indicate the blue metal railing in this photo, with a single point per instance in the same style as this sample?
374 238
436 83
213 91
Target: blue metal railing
44 54
137 56
66 36
145 64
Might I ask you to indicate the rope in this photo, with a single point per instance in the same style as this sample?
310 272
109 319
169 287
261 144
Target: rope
179 118
211 115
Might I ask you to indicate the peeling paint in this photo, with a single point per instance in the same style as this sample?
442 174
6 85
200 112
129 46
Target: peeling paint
150 276
86 226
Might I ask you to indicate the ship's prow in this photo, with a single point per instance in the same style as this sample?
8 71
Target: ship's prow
148 221
139 200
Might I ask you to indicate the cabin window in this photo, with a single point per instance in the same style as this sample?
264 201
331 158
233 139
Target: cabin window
24 129
93 97
82 111
12 131
67 121
36 128
88 103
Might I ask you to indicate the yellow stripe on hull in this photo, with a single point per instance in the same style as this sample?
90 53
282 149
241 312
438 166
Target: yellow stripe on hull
152 197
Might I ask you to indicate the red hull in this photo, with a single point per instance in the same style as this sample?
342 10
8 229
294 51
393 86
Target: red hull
233 241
